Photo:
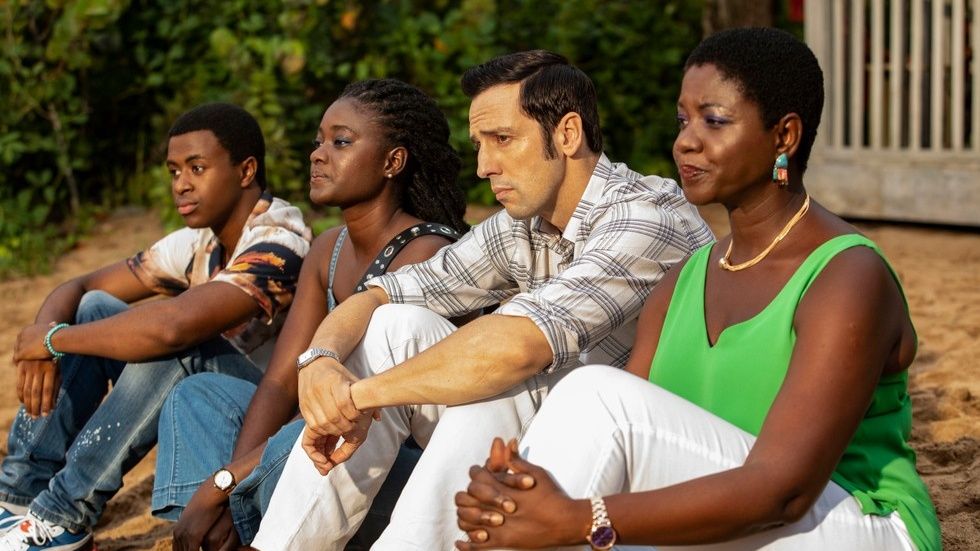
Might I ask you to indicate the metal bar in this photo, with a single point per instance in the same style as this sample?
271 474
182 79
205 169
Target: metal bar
957 100
816 28
857 100
937 74
839 100
915 76
876 97
895 96
975 46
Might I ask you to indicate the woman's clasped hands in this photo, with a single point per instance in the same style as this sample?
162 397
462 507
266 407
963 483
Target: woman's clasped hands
512 503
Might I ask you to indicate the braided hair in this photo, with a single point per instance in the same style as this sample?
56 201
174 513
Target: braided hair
411 119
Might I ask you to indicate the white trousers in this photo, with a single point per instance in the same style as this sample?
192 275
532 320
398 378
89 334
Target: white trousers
604 431
310 511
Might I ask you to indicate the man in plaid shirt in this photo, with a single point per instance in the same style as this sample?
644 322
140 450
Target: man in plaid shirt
579 245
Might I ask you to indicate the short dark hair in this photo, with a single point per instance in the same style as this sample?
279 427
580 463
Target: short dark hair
772 69
551 87
236 129
409 118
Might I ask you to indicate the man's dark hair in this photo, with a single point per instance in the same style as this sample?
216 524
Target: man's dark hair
411 119
772 69
237 131
551 87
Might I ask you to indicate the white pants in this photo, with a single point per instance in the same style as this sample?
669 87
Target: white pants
310 511
604 431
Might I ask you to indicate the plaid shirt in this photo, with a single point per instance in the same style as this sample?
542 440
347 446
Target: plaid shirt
583 287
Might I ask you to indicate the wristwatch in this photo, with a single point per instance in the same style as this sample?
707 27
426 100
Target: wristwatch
602 536
306 358
224 480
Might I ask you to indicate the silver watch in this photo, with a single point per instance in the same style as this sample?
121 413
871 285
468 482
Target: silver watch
224 480
306 358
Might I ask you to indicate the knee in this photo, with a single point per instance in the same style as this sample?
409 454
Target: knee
393 322
191 394
589 380
96 305
199 388
591 377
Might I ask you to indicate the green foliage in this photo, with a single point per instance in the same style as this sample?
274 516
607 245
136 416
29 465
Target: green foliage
90 87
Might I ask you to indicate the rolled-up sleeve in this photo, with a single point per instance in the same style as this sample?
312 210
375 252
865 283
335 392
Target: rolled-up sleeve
164 267
631 244
268 272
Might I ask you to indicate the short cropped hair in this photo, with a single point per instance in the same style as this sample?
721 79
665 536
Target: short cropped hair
237 131
772 69
551 87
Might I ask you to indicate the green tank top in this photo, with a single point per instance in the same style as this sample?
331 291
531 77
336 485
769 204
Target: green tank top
737 379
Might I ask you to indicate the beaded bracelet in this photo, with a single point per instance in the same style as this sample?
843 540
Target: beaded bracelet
47 341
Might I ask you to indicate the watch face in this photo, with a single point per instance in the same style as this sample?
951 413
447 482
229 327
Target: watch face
223 479
603 537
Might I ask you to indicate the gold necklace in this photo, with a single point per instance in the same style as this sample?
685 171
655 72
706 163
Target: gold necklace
724 261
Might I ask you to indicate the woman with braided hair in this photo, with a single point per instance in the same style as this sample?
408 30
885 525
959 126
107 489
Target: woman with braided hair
382 155
413 119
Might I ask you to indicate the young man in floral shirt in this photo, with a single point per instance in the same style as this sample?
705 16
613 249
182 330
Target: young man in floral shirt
230 276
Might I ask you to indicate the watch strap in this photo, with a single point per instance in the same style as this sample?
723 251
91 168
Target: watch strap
601 536
306 358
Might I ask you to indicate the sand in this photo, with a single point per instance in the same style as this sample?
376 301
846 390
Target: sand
939 267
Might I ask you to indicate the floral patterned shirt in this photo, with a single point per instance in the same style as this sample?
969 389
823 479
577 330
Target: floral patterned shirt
265 264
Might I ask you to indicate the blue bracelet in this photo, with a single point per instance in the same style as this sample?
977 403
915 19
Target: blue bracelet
47 341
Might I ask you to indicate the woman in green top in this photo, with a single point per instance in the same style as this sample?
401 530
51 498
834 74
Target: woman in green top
779 414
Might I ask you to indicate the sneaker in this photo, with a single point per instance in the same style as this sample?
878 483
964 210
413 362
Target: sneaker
10 517
34 534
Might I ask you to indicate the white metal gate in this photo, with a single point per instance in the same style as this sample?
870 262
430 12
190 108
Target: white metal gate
900 136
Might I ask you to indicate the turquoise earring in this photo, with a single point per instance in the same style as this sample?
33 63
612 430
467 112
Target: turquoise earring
780 170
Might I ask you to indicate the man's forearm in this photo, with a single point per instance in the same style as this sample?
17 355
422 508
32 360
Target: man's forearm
345 326
482 359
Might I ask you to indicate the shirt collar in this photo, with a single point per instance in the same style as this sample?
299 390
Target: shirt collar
261 207
593 192
217 250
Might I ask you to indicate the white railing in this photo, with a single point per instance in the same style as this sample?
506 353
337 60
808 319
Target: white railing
900 74
900 134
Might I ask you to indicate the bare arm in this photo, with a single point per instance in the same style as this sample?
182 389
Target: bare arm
149 330
275 400
115 279
38 379
324 385
651 323
483 358
486 357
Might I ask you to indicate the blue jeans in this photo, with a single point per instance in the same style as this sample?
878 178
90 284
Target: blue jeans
199 426
67 465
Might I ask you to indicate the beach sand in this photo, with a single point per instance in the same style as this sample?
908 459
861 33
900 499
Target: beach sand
940 269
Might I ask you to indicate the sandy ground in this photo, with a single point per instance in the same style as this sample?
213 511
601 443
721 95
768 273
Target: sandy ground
940 269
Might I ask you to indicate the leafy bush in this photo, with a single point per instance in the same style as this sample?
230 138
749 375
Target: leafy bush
90 87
